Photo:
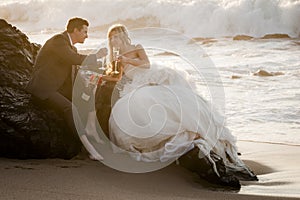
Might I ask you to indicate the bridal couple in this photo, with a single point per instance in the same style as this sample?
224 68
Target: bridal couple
146 109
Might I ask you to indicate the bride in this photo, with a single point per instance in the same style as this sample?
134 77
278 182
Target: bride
155 113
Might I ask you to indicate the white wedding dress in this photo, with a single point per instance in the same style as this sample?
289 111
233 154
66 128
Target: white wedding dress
159 117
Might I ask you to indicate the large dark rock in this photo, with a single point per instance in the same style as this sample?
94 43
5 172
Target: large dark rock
27 129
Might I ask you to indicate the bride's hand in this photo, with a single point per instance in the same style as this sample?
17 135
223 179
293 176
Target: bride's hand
124 60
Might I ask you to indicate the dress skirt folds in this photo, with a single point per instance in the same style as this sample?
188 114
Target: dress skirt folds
159 116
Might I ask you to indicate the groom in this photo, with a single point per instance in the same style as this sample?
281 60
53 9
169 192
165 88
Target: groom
54 70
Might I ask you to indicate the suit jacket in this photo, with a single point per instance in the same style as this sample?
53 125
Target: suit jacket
53 67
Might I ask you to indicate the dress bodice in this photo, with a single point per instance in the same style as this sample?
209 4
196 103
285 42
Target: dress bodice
156 75
130 71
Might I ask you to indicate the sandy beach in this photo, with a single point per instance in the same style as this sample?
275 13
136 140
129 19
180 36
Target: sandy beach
275 164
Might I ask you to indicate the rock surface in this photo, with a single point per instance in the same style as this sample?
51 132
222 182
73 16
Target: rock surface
27 129
262 72
242 37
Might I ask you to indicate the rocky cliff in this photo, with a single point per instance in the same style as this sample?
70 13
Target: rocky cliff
27 129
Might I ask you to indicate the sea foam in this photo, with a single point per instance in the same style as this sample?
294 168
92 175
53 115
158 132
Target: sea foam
195 18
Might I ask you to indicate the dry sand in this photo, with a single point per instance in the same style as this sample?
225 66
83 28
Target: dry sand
277 167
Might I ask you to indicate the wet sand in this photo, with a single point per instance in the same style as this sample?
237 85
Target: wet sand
276 165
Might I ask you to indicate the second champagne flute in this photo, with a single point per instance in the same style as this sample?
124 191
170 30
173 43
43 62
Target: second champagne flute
116 53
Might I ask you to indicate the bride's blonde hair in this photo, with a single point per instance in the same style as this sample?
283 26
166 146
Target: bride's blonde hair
122 32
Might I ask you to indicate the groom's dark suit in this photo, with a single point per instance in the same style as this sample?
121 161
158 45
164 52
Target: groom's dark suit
53 67
51 82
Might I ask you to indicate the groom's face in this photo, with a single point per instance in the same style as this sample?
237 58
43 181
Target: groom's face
82 34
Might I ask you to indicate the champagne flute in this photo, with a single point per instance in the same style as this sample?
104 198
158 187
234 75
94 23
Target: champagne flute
116 53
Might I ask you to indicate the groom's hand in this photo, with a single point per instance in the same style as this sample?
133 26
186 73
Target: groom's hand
101 53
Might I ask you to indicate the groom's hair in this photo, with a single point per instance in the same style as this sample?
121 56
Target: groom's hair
76 23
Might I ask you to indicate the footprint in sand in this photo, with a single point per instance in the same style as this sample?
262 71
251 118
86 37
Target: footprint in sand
23 167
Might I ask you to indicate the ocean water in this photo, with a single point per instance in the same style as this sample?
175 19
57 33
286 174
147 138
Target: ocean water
205 18
257 108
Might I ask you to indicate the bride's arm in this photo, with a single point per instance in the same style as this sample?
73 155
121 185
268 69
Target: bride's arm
143 60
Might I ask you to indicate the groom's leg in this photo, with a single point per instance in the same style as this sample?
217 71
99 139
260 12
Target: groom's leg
64 106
